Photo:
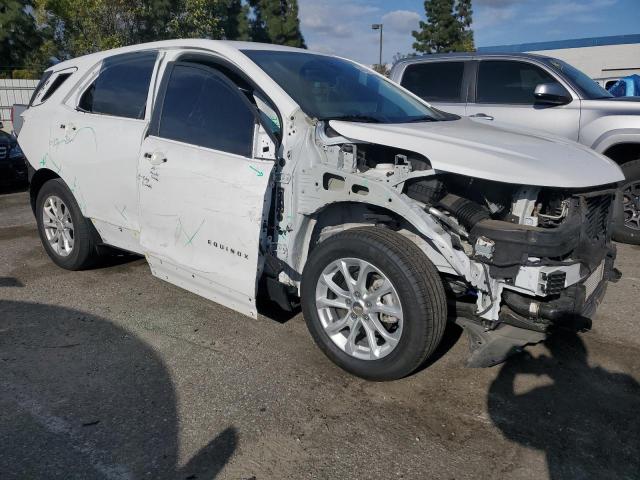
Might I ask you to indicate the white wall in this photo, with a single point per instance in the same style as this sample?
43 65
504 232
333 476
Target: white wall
603 62
13 91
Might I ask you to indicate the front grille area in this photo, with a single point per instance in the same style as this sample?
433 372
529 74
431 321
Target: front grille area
3 152
597 210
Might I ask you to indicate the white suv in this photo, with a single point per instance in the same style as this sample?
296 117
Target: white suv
235 167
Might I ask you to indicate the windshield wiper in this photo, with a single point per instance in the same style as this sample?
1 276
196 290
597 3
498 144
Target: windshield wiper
355 118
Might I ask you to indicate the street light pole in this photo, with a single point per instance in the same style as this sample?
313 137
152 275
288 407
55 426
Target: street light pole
378 26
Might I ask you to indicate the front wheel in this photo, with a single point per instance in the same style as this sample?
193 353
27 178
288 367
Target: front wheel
373 303
626 221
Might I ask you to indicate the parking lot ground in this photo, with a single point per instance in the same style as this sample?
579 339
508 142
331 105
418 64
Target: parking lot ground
112 373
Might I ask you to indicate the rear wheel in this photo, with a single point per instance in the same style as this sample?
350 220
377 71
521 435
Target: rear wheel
626 221
373 302
67 236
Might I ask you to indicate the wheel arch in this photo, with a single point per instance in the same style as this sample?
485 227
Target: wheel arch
623 152
341 216
39 178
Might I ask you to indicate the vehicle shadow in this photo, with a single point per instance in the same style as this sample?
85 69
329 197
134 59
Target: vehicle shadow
81 397
586 421
14 188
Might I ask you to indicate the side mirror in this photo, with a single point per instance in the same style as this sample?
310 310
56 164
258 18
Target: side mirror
551 94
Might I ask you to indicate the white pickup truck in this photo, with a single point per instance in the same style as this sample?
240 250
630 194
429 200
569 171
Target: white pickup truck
238 167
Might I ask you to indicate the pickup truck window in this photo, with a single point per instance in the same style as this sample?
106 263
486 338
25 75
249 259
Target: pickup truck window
435 81
332 88
201 108
589 89
509 82
122 86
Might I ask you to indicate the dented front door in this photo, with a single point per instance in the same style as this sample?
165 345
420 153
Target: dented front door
202 196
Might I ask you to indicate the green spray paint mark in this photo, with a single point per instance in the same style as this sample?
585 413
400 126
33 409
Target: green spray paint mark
58 167
187 236
259 173
43 160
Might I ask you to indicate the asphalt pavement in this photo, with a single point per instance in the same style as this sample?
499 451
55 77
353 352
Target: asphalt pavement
113 374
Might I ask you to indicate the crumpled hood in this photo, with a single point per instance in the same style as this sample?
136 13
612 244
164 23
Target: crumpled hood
493 152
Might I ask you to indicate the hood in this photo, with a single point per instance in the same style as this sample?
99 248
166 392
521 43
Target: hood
492 152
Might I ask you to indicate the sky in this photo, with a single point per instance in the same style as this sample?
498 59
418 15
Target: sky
343 27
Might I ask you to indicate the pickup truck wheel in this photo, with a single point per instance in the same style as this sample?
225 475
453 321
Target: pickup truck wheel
66 234
373 303
626 220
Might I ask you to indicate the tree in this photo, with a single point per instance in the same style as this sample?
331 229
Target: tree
276 21
18 34
447 28
198 19
235 20
78 27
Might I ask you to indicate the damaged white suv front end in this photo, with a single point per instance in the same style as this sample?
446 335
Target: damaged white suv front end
516 223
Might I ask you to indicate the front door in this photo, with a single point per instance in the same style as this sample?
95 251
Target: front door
202 193
504 93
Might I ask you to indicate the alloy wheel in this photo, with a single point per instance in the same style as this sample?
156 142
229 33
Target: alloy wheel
58 226
359 308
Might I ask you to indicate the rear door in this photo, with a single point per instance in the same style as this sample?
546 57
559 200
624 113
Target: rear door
442 84
504 92
203 190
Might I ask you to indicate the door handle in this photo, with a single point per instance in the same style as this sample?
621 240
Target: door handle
483 116
156 158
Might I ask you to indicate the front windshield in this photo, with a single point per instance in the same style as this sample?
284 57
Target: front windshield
332 88
589 89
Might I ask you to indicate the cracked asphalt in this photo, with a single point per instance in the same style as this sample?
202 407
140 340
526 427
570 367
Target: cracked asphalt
112 373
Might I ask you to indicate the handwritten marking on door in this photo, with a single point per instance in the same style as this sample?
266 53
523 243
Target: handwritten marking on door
259 173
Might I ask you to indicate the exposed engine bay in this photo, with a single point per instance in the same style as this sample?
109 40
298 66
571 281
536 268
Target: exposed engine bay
535 257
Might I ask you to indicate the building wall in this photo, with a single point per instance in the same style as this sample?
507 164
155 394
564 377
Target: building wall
11 92
601 62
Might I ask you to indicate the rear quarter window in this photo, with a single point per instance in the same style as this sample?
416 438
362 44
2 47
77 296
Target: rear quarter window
435 81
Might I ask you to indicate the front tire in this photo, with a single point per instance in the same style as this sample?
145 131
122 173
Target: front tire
67 236
626 219
373 303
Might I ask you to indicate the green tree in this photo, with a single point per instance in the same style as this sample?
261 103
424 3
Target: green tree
198 19
235 20
447 28
78 27
18 35
276 21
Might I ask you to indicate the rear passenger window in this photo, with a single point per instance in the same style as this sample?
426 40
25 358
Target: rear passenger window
502 81
122 86
438 82
202 108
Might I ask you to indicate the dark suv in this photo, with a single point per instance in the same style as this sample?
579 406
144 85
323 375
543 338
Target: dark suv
542 93
13 166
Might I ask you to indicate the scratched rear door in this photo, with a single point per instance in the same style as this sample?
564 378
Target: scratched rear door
202 195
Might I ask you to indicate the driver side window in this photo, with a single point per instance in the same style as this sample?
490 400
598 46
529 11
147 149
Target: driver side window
201 107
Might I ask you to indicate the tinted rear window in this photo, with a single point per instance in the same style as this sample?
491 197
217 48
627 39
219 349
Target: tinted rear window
122 86
438 82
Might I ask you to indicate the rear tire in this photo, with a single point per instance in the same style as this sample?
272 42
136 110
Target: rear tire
415 283
626 216
67 236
